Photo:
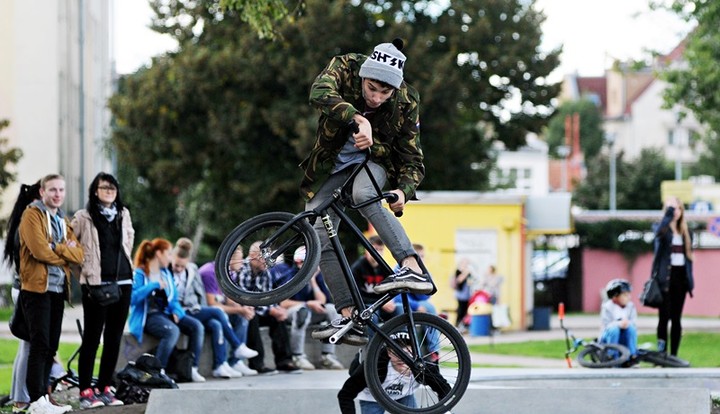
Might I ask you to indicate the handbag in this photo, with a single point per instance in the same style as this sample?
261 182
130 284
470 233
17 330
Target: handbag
18 323
104 294
651 295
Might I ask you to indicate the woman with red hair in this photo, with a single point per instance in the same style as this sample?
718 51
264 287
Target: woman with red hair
154 306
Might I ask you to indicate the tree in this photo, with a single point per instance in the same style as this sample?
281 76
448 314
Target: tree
695 85
8 157
638 182
591 132
262 15
226 119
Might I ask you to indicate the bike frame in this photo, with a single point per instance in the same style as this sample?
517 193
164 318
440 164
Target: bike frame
337 203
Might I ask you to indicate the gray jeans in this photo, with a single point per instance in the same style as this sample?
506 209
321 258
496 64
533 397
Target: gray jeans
383 220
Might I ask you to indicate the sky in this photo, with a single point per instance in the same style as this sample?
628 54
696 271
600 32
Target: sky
593 33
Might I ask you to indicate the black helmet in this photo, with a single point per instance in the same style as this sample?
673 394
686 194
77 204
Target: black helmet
616 287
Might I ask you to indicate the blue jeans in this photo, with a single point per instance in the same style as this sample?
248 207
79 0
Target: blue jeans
164 329
372 407
383 220
216 322
239 327
626 337
195 331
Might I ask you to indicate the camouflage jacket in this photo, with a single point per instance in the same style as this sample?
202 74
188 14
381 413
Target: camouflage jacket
337 93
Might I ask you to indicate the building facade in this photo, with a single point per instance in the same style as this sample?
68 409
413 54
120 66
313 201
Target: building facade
56 76
55 80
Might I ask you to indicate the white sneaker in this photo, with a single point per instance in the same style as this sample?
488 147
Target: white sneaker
224 371
330 361
302 362
43 406
196 377
244 352
244 369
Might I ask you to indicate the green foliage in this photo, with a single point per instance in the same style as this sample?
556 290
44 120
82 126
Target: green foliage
591 132
638 182
212 134
629 237
695 85
262 15
697 347
8 157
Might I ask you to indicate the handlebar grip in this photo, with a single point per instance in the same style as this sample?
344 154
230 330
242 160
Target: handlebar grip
391 198
561 310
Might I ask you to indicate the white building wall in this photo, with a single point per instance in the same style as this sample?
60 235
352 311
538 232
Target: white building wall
40 91
531 168
40 84
651 126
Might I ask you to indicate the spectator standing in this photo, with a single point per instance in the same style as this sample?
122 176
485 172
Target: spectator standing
491 284
28 194
105 231
47 247
461 284
309 305
368 274
239 315
154 306
673 259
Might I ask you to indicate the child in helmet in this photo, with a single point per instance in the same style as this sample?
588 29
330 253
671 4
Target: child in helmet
619 316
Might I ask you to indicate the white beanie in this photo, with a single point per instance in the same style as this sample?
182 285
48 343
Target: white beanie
385 64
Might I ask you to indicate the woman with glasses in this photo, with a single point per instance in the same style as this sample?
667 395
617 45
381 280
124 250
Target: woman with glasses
105 231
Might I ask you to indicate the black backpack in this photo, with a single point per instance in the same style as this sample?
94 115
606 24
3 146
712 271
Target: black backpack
139 377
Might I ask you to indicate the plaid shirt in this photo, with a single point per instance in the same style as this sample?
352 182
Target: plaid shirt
263 281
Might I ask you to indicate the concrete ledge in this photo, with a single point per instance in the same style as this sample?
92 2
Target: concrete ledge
130 350
486 401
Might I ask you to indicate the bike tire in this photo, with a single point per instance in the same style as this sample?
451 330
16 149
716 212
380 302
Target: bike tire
442 368
261 228
664 360
603 356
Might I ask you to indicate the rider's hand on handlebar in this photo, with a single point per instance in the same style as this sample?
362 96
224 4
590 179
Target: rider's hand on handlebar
363 138
399 205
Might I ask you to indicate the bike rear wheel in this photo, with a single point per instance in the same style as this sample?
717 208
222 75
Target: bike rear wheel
603 355
438 377
277 256
662 359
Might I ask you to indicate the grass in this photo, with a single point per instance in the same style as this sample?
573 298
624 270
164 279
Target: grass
8 349
700 348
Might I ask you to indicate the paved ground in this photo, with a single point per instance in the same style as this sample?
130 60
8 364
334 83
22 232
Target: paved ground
531 374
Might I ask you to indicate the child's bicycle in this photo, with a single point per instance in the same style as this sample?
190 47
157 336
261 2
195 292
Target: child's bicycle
598 355
437 359
593 354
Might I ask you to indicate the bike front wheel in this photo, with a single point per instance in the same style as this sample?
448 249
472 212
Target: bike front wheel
436 379
603 355
279 236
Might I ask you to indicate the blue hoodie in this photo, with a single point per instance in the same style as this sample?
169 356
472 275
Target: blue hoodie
142 288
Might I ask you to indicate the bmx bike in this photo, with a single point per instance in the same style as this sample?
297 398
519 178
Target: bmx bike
435 359
599 355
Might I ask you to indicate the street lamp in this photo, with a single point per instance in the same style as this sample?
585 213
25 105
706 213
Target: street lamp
563 151
610 140
677 140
